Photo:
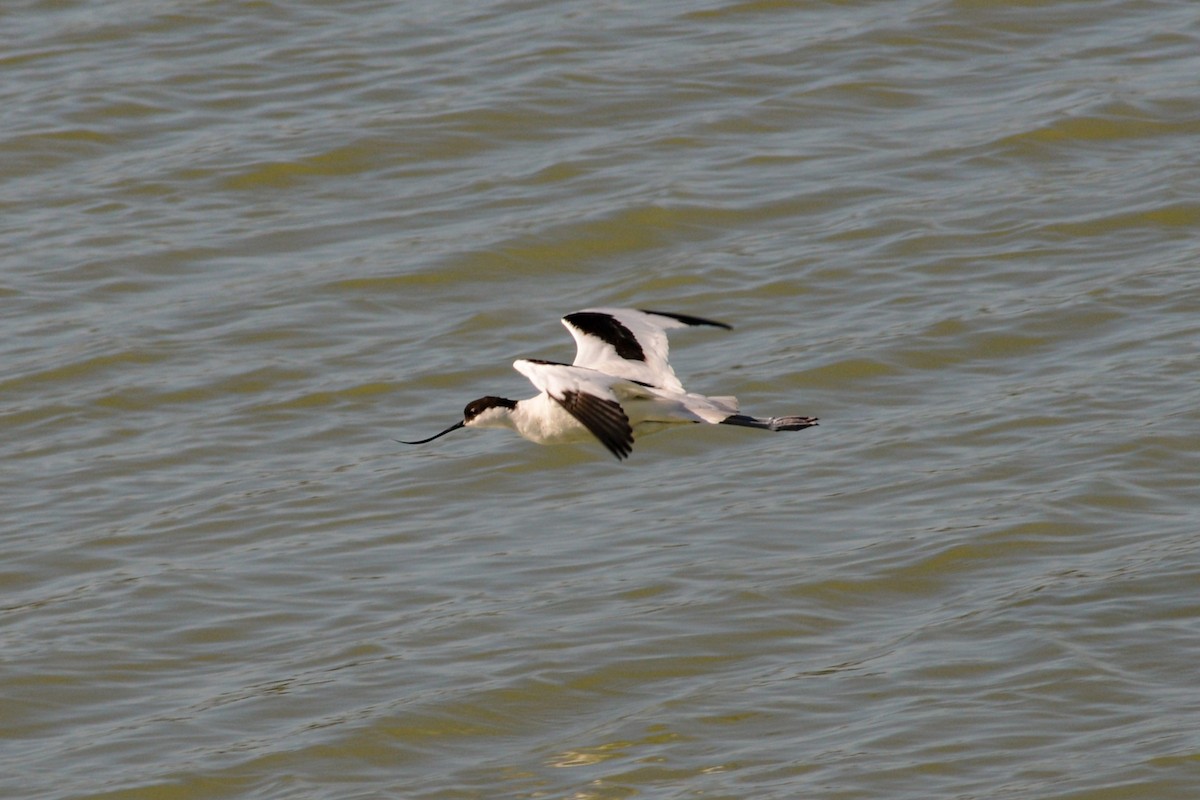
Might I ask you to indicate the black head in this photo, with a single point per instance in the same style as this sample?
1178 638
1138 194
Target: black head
477 407
470 413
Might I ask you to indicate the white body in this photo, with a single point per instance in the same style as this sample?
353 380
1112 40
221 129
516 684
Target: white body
543 420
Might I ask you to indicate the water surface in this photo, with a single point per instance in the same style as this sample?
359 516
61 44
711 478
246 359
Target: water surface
246 245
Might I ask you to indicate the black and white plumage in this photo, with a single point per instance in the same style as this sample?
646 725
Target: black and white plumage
619 383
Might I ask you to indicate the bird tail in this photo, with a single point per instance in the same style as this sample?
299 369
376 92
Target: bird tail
728 401
710 409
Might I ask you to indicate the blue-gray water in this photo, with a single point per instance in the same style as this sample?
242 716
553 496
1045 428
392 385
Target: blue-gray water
243 246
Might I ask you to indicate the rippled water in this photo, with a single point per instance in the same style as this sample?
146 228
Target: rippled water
244 245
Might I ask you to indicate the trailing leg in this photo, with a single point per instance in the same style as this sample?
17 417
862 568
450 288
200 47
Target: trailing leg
770 423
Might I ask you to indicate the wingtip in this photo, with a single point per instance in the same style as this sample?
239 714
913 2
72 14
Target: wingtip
688 319
604 419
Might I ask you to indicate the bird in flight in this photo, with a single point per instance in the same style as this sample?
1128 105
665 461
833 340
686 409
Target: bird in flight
619 383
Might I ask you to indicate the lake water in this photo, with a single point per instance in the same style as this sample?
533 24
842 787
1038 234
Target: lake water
245 245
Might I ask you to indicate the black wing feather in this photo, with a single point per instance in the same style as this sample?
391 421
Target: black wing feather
604 418
608 328
688 319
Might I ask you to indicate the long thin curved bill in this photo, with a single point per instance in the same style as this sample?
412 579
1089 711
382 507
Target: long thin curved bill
453 427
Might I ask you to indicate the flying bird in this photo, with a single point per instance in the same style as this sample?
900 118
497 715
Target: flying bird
619 383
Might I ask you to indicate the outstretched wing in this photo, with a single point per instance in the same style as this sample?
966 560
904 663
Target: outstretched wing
628 343
587 396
